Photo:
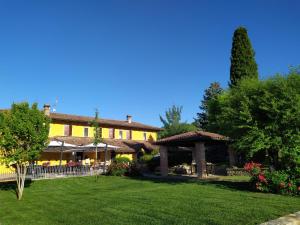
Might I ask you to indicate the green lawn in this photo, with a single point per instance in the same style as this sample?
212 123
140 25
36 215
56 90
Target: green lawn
115 200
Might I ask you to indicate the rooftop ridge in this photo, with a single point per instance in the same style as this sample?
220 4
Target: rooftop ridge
114 122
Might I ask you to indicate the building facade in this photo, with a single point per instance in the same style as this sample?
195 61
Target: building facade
129 138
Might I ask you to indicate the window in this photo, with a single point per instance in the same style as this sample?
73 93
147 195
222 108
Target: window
68 130
86 132
128 134
120 134
145 136
111 133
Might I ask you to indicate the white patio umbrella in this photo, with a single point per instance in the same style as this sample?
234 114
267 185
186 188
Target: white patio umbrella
60 144
100 145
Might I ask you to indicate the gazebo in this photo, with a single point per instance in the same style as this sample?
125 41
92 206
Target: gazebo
195 141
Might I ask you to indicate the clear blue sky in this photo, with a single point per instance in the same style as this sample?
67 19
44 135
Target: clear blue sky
135 57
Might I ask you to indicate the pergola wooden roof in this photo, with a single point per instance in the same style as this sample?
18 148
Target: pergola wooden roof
190 138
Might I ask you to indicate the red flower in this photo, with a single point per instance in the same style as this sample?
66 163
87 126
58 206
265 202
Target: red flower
299 188
289 184
261 178
252 168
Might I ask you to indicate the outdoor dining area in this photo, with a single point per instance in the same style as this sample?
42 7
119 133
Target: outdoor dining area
61 152
196 142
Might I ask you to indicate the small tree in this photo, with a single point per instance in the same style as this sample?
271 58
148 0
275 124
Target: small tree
97 134
23 136
172 124
243 63
210 93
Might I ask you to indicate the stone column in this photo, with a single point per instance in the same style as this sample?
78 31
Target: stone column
163 151
231 155
193 161
200 159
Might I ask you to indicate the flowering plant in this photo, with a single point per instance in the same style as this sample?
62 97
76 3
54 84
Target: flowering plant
118 168
276 182
253 168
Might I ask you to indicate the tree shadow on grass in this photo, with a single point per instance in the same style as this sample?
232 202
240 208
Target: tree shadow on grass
174 180
12 185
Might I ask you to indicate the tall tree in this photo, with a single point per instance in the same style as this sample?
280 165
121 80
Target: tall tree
262 118
172 124
212 92
23 136
243 63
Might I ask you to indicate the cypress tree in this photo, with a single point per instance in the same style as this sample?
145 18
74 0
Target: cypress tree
243 63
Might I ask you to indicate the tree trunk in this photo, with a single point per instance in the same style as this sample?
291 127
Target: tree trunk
96 156
21 175
105 158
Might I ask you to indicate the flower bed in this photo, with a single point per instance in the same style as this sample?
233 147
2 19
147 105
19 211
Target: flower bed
281 182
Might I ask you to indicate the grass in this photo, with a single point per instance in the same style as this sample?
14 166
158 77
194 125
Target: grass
115 200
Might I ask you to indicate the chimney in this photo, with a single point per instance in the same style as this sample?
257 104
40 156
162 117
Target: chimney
47 109
129 118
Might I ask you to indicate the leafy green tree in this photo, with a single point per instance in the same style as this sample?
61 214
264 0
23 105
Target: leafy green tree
23 136
262 117
172 124
243 63
211 92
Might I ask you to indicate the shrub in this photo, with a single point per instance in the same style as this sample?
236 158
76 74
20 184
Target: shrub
117 169
133 170
150 160
281 182
122 166
122 160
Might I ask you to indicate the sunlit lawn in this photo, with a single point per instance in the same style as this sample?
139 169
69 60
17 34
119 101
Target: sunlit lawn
115 200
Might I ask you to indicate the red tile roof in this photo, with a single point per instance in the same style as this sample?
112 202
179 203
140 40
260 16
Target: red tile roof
102 122
192 136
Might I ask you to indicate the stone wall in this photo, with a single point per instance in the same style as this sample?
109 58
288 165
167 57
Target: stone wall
236 172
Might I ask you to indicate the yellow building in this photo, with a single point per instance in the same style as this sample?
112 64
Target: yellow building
129 138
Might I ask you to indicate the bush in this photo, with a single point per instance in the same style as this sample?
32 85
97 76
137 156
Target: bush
117 169
150 160
146 158
122 166
133 170
282 182
122 160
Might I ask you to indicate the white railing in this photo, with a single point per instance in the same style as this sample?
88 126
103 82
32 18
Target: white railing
45 172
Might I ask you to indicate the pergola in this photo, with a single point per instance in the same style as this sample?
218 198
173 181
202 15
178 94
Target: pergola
195 141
